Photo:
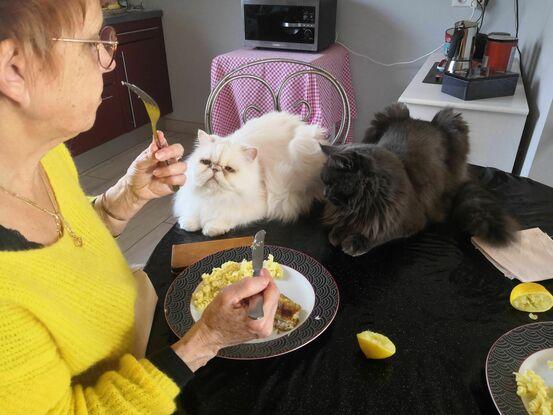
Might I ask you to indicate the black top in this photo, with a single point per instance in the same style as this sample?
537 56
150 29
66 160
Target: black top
12 240
165 359
434 295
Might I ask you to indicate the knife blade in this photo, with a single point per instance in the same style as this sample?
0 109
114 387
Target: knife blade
255 307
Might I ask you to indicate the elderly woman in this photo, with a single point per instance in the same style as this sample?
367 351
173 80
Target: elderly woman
67 295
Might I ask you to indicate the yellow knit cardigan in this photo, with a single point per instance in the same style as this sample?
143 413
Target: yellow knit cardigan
66 320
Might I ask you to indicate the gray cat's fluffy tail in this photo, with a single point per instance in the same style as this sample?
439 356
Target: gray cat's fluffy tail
478 212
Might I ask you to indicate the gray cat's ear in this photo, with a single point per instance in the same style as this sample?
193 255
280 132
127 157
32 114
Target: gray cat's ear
204 138
250 153
328 150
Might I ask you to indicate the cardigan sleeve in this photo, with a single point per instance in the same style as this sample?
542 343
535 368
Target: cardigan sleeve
35 378
172 365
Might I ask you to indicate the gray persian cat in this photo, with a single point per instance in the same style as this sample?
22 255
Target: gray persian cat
406 174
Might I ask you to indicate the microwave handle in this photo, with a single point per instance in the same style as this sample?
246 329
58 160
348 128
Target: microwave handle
297 25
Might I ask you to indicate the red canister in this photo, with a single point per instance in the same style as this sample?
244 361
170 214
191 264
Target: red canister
500 52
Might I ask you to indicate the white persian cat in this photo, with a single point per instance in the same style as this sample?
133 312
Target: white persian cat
268 169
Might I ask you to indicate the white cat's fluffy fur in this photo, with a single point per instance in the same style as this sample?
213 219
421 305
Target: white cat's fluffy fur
268 169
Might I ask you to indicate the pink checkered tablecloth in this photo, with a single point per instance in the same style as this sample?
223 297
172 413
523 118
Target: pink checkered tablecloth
326 106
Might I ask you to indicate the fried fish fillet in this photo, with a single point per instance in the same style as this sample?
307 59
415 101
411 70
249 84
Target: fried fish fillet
287 315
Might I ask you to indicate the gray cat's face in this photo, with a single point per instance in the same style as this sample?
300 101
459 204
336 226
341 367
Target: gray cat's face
355 176
342 175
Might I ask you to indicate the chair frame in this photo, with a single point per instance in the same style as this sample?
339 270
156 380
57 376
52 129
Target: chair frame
345 123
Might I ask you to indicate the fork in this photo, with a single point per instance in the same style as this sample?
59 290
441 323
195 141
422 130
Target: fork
153 113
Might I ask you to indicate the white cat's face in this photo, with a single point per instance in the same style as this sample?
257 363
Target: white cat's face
223 165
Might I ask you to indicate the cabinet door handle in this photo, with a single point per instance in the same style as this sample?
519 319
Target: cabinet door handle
137 31
128 90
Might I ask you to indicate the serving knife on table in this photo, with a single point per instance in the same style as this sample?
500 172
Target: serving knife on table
255 307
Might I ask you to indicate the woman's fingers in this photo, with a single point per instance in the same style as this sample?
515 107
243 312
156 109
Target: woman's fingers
264 327
270 300
270 304
247 287
174 151
162 140
174 169
174 180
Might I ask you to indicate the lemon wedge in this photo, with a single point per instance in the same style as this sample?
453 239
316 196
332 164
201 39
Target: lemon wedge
531 297
375 345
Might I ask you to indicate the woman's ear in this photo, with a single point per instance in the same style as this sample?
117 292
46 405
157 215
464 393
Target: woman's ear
14 82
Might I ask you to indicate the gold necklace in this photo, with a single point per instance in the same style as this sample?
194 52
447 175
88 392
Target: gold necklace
61 223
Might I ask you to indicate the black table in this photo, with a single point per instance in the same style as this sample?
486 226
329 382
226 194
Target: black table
440 301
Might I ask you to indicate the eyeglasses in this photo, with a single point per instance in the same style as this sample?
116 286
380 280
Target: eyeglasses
107 43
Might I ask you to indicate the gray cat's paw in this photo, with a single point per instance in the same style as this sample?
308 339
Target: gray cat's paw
355 245
189 225
215 229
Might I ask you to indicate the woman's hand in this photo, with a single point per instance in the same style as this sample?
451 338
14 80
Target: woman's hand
225 321
227 316
149 178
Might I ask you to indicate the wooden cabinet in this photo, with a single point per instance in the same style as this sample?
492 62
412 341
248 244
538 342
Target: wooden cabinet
141 60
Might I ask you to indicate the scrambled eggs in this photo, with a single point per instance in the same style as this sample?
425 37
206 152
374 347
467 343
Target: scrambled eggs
229 273
532 387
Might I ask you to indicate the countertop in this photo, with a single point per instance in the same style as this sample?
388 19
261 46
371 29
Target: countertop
111 18
420 93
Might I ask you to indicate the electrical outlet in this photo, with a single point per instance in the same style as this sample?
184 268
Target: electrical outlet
461 3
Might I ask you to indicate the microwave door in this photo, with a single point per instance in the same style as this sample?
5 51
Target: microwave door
276 23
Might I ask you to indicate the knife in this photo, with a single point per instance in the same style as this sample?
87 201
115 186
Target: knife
255 307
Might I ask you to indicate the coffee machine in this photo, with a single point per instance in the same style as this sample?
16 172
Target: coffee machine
461 49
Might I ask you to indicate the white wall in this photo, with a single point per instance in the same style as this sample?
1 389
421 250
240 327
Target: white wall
542 166
536 153
195 32
391 30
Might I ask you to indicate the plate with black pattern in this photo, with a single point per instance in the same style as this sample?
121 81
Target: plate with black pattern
305 281
507 355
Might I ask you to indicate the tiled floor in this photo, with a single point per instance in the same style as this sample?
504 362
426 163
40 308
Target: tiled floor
102 166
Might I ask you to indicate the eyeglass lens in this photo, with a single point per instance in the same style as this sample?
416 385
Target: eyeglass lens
107 34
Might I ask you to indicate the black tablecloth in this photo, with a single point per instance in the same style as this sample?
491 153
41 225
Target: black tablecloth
440 301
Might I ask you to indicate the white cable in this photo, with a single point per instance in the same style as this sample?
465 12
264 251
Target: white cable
402 62
474 7
388 64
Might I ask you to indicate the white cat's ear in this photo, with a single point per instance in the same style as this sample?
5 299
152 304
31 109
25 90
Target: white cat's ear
250 153
204 138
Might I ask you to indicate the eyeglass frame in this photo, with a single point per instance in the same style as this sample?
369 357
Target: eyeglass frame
97 43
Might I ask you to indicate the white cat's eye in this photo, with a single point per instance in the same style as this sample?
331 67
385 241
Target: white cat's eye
229 169
206 162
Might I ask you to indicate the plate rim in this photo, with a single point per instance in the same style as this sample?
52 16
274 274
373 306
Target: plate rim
493 347
323 329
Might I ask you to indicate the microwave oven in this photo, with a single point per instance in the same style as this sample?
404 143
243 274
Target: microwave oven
308 25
